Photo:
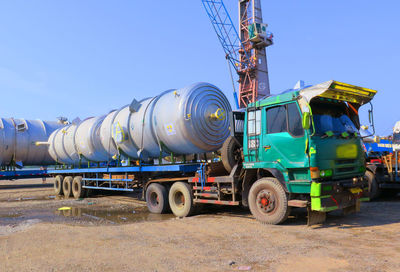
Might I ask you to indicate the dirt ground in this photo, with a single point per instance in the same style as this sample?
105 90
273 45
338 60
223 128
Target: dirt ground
115 233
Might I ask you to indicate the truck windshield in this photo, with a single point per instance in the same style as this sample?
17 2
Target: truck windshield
332 117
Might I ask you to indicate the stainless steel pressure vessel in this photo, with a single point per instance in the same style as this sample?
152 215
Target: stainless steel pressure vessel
185 121
18 138
62 147
87 140
106 135
192 119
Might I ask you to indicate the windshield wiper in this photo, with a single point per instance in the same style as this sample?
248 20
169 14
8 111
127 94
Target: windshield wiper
327 134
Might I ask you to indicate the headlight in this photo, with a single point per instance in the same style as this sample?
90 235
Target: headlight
325 173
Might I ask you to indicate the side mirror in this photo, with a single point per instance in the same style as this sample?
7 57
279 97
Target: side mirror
306 120
371 121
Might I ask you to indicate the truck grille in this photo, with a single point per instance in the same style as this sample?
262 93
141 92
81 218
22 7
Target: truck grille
339 162
345 169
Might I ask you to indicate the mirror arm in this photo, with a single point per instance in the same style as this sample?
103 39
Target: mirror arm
371 120
372 117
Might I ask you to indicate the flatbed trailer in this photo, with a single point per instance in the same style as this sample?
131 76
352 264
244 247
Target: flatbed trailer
126 178
23 174
382 170
382 176
204 185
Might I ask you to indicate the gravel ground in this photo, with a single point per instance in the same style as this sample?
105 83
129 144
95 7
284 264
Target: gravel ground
115 233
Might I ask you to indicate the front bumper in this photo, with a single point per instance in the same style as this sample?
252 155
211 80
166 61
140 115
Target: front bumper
333 195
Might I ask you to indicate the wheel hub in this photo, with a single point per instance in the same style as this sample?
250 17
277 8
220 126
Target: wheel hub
265 201
154 199
179 199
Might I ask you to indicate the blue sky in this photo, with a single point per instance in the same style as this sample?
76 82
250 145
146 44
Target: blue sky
83 58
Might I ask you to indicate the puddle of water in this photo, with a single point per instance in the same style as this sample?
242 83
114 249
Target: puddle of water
113 216
92 215
11 215
51 197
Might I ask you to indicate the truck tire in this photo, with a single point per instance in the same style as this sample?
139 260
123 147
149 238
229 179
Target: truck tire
67 186
58 185
181 199
157 198
77 189
230 153
268 201
373 186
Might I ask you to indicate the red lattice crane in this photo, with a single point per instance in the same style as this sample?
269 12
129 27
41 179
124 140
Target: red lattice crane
246 49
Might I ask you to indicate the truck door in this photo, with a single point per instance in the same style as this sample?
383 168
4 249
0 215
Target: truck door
253 134
284 139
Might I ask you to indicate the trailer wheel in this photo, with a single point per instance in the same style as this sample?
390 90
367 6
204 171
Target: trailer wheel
230 153
373 187
268 201
67 186
157 198
181 199
58 185
77 189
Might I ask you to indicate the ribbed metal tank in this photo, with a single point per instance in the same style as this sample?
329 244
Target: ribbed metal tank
62 147
18 138
186 121
191 120
87 140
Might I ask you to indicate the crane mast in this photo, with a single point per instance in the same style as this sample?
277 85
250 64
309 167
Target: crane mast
245 49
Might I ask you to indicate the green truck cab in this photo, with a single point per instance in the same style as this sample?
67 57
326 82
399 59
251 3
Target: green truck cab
302 148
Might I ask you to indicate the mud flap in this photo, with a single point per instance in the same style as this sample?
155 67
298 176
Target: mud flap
315 217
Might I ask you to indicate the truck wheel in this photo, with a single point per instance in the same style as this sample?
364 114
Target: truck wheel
268 201
157 198
77 189
58 185
67 186
373 187
230 153
180 199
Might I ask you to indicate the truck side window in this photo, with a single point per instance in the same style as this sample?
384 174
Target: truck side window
254 122
295 126
276 119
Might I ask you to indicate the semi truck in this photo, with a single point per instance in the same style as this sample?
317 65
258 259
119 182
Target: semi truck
298 149
383 164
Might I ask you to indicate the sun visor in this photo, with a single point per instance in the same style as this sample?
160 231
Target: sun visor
339 91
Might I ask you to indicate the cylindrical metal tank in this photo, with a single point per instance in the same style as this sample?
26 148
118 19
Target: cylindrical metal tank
18 138
121 133
106 134
186 121
192 119
87 140
62 147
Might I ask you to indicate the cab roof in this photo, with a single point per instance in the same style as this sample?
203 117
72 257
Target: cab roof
329 89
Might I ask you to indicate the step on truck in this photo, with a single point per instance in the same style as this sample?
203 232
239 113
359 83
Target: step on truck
383 164
298 149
